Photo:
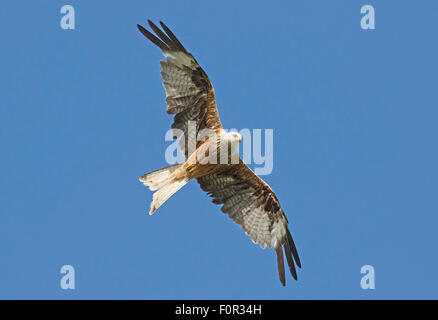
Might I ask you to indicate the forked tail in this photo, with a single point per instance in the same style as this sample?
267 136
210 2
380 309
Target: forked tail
164 184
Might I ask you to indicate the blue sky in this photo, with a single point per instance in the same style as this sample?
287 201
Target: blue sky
354 115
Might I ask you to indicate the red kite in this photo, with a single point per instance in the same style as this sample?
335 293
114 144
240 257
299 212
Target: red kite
247 199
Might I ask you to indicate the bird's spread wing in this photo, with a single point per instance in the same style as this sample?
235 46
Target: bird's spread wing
189 92
252 204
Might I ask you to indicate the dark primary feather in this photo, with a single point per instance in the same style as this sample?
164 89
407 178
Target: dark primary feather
280 265
153 38
163 36
172 36
292 248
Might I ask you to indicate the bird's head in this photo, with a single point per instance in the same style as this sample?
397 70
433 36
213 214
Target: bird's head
232 142
234 137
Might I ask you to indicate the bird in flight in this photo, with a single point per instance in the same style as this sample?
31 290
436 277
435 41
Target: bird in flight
245 198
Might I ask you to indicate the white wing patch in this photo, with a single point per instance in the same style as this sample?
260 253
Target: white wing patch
180 59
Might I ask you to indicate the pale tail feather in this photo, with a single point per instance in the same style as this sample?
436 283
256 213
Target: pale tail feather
158 178
165 185
165 192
